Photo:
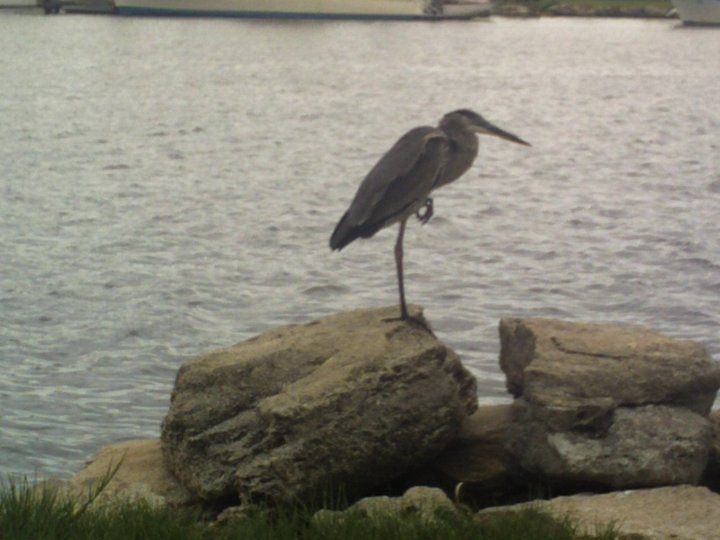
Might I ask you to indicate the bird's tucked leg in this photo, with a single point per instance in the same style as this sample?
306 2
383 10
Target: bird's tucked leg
425 212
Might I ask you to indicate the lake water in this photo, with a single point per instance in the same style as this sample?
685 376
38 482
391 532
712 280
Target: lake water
169 187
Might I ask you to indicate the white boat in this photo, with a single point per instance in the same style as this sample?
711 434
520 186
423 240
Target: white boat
17 3
454 9
698 12
101 7
307 9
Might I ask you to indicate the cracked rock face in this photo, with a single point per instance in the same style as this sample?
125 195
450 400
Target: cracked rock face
605 404
559 363
352 399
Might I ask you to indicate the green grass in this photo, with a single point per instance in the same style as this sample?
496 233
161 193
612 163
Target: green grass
43 514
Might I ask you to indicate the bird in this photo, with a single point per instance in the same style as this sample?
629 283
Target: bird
399 185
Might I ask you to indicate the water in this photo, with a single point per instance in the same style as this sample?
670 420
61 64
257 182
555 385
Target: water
169 187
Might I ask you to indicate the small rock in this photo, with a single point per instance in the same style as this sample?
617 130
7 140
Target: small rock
424 502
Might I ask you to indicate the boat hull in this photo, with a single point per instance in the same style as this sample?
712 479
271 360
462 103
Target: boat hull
291 9
466 10
698 12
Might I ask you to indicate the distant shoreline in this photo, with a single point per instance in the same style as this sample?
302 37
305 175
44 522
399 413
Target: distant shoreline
581 10
525 10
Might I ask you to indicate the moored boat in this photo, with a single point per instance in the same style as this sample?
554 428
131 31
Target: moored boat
304 9
698 12
101 7
454 9
17 4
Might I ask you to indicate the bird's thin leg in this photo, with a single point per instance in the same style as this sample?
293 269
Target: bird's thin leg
399 266
427 212
404 315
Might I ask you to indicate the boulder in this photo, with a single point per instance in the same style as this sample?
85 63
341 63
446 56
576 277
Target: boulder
618 406
666 513
135 470
351 400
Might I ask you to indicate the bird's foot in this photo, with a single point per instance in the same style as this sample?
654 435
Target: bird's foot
415 321
427 211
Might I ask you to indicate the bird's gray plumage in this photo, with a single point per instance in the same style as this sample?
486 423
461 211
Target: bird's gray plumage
400 184
395 187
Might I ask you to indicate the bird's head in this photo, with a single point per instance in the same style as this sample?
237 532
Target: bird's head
467 120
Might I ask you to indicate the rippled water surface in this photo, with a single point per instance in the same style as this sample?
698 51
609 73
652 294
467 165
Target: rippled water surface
169 187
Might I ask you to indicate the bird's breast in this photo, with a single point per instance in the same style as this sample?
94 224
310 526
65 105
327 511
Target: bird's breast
459 159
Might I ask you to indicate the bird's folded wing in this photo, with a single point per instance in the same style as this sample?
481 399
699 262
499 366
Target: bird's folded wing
403 177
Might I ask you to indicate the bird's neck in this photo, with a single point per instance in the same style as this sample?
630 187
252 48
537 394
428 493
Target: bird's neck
461 154
463 143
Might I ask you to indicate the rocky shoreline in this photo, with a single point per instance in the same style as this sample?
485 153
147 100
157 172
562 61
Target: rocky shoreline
573 10
557 10
614 419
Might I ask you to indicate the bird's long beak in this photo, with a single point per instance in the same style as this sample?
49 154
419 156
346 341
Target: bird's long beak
489 129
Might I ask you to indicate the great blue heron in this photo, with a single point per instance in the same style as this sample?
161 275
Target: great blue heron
422 160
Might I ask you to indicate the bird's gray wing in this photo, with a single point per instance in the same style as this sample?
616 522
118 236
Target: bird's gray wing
402 177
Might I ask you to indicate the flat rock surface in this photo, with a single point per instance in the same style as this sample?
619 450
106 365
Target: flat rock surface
139 473
667 513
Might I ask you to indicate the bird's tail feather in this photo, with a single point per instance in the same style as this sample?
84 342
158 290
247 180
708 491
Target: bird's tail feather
343 234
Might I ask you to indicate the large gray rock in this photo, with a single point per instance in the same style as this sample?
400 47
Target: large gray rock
651 445
624 407
352 399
